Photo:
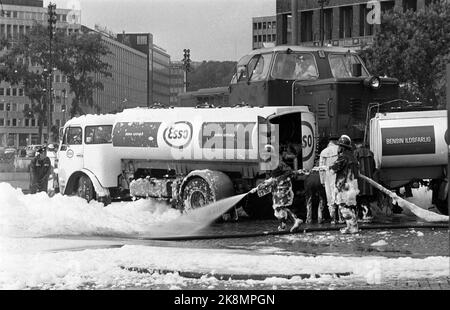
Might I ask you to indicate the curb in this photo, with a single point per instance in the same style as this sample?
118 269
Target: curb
229 276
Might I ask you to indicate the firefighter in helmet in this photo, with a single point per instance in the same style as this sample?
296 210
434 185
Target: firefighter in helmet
346 169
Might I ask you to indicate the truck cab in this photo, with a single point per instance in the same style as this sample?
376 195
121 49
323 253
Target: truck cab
333 82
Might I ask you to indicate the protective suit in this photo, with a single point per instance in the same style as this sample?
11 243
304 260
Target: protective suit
280 185
346 168
328 177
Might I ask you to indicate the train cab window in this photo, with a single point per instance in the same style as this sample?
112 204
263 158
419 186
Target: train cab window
74 135
261 67
98 134
295 66
342 65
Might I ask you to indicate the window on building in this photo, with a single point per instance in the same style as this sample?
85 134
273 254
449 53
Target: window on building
274 25
8 92
33 122
410 5
274 37
27 122
14 92
255 39
306 26
20 91
8 122
264 38
264 25
2 122
2 106
255 26
328 24
346 22
365 29
141 40
2 91
14 122
259 38
259 25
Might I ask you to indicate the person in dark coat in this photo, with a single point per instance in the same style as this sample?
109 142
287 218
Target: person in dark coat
366 164
346 169
40 169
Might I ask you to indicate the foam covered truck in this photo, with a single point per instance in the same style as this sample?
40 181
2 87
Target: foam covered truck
190 156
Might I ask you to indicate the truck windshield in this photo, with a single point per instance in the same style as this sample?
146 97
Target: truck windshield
295 66
342 65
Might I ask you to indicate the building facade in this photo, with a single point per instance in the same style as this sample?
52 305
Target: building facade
17 18
177 81
127 87
345 21
158 64
264 31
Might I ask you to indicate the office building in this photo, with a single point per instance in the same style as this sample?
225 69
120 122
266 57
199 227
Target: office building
158 63
177 81
264 31
345 21
16 19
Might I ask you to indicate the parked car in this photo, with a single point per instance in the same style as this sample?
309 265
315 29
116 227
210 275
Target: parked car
31 149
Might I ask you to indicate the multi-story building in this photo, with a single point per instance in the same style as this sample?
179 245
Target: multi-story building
127 87
161 75
16 19
158 64
177 81
264 31
345 21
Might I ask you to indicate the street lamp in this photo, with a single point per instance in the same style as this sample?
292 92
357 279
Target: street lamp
64 94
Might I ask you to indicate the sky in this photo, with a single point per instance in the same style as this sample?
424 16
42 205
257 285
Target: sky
211 29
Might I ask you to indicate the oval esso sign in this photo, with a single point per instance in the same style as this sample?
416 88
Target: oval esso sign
307 140
178 134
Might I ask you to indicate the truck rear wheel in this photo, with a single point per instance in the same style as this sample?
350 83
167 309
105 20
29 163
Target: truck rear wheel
197 193
439 197
85 189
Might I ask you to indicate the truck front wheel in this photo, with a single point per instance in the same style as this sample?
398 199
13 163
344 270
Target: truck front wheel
85 189
196 194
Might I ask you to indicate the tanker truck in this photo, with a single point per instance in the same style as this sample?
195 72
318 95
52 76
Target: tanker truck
188 156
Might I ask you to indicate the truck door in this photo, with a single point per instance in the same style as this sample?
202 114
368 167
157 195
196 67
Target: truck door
70 155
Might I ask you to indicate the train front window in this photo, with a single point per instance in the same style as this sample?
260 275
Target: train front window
261 67
295 66
342 65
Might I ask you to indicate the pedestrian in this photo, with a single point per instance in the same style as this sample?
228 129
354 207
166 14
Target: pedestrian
327 158
280 185
366 164
346 169
40 169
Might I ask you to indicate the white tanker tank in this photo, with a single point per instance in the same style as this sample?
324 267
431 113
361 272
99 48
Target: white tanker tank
209 134
409 139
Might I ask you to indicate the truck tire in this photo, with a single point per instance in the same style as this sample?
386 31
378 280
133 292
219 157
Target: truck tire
442 206
85 189
197 193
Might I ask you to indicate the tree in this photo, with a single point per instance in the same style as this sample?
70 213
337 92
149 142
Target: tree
27 62
211 74
415 48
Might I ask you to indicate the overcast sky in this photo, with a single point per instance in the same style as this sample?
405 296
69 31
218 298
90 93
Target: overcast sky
211 29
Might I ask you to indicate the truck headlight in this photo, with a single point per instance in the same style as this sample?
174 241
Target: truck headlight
373 82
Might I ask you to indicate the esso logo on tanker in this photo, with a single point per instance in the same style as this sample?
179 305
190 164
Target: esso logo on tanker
307 140
178 135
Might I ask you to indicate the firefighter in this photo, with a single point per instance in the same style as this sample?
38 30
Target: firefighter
40 169
328 157
346 169
280 185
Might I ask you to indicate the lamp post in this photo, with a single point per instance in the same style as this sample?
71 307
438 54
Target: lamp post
187 64
52 18
64 94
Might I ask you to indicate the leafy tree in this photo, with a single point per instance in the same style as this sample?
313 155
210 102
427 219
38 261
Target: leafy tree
415 48
26 62
211 74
